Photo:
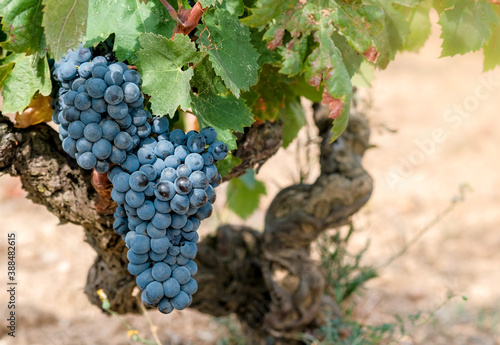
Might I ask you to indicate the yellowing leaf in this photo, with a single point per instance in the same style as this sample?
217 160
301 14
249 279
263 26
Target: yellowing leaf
38 111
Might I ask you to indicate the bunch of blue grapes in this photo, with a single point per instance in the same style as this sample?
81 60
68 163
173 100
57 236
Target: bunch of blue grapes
100 109
163 190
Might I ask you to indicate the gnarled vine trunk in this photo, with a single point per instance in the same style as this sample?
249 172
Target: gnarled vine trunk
267 278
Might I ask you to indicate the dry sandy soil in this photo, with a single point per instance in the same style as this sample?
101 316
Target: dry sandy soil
418 96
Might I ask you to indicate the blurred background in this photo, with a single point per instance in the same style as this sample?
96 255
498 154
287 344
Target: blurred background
435 126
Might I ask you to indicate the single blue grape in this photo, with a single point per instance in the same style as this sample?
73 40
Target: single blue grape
182 260
99 105
61 119
178 220
110 129
113 95
208 159
140 244
118 111
195 161
190 287
113 77
137 259
210 134
183 185
198 198
90 116
192 267
181 274
165 190
165 306
160 245
144 278
182 152
150 191
69 97
164 149
131 92
121 182
172 162
216 182
146 155
123 141
92 132
205 211
131 211
87 160
188 226
139 182
199 180
196 143
168 174
99 71
160 125
180 204
181 301
99 60
177 137
141 228
117 156
170 259
154 232
161 220
139 117
125 122
131 129
83 55
183 170
189 250
149 170
83 101
219 150
67 71
134 199
102 149
144 130
157 256
161 272
120 212
188 235
69 145
132 76
147 210
120 226
85 70
71 114
211 172
137 269
117 196
95 87
75 129
162 206
171 287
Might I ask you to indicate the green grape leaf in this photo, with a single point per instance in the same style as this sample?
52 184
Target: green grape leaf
326 66
22 22
65 23
207 3
161 62
4 72
243 194
26 78
265 11
466 27
393 31
229 48
267 97
492 50
266 55
235 7
215 106
225 166
127 19
420 25
293 118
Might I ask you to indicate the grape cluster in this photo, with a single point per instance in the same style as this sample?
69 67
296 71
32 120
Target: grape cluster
163 191
163 182
99 110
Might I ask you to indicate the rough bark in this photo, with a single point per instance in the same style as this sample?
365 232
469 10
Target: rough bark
267 278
